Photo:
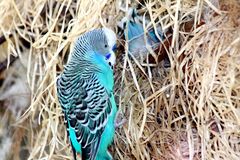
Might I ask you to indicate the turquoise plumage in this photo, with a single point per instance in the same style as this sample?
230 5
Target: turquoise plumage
85 92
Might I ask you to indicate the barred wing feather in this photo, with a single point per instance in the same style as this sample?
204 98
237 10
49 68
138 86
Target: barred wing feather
86 105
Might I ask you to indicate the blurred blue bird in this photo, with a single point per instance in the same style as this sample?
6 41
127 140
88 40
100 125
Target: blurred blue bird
134 32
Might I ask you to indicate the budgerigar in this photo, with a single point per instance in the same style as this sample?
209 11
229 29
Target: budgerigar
133 29
85 92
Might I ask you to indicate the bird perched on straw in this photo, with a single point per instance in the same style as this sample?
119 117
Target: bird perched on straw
139 44
85 92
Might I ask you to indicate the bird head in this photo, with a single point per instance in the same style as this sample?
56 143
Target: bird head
104 43
97 45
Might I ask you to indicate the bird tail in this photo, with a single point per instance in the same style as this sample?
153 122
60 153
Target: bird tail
74 152
90 151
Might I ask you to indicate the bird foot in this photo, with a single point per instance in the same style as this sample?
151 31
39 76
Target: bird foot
119 121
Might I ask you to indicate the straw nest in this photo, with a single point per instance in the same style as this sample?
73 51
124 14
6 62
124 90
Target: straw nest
187 111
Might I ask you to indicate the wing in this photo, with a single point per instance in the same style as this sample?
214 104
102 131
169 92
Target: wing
86 105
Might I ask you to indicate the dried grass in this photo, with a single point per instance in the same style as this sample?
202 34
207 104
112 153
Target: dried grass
188 111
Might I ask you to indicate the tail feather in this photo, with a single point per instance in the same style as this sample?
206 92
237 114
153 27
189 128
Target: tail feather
74 152
90 151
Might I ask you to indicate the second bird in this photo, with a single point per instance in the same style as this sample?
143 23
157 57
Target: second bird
134 33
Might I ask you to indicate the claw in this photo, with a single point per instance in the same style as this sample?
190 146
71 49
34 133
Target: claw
119 121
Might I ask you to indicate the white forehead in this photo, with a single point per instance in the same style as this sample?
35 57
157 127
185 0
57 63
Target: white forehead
111 36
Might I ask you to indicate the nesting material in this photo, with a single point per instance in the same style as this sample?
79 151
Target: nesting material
188 111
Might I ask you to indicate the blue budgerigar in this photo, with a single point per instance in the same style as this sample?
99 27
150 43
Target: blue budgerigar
134 31
85 92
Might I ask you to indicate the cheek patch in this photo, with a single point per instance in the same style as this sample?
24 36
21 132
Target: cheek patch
108 56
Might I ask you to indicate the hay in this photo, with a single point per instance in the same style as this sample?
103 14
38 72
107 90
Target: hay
188 111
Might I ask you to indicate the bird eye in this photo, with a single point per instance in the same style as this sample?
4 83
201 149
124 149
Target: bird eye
106 46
